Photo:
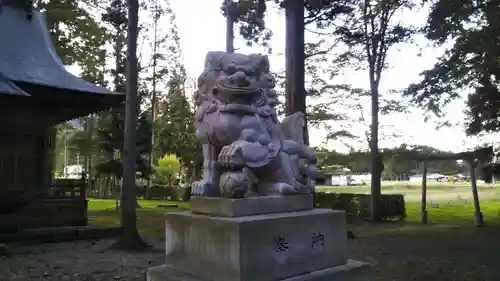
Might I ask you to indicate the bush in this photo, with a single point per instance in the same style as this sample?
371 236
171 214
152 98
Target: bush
358 205
168 169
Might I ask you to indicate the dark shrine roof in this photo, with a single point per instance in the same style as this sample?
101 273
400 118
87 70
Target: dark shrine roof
28 56
30 66
9 88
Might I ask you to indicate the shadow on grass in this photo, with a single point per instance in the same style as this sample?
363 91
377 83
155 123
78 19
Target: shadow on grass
150 217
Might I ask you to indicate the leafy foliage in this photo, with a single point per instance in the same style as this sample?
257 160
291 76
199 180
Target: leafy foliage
168 169
77 35
469 67
398 162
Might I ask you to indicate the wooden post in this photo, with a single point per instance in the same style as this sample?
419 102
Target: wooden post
423 211
478 216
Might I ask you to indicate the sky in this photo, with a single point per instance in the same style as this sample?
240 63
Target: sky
202 29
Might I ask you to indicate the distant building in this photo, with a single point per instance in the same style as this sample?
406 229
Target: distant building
336 179
342 179
430 177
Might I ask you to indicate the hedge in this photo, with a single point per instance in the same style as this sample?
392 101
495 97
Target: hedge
358 205
163 192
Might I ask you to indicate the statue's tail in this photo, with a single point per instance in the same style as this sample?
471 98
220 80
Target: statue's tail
292 127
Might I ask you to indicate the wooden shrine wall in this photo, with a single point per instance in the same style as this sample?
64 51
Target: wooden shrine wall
24 160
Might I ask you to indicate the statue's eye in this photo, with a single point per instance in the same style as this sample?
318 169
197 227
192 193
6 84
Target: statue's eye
231 69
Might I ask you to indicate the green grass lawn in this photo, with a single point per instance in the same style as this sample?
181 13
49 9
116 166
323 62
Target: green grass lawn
407 186
150 216
454 212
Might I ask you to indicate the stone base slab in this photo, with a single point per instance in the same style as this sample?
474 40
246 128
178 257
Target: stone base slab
351 271
263 247
227 207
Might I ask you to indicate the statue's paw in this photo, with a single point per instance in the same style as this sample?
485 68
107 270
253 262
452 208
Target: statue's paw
230 157
202 188
287 189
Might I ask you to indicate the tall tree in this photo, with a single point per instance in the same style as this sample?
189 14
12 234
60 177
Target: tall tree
130 238
175 123
248 15
176 128
111 123
228 9
301 57
370 34
295 91
157 11
469 68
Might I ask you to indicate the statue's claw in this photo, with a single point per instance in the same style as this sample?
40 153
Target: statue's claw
203 188
230 157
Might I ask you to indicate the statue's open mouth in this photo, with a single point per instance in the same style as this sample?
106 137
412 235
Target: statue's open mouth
238 90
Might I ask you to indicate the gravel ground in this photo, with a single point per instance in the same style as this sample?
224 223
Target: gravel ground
78 261
399 252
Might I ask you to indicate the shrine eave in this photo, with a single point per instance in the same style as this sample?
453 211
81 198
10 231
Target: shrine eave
7 87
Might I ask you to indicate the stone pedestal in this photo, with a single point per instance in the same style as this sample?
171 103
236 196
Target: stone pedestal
226 240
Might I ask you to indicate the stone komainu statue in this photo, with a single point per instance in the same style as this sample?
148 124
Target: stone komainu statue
247 152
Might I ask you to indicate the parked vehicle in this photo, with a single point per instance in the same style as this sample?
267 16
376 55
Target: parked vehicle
74 172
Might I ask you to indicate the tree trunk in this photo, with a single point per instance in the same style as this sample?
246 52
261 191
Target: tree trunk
149 187
375 157
229 27
294 59
130 238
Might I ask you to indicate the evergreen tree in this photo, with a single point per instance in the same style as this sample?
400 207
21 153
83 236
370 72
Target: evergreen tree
111 123
175 123
130 238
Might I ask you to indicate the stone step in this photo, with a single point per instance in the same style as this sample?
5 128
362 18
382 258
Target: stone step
351 271
261 247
